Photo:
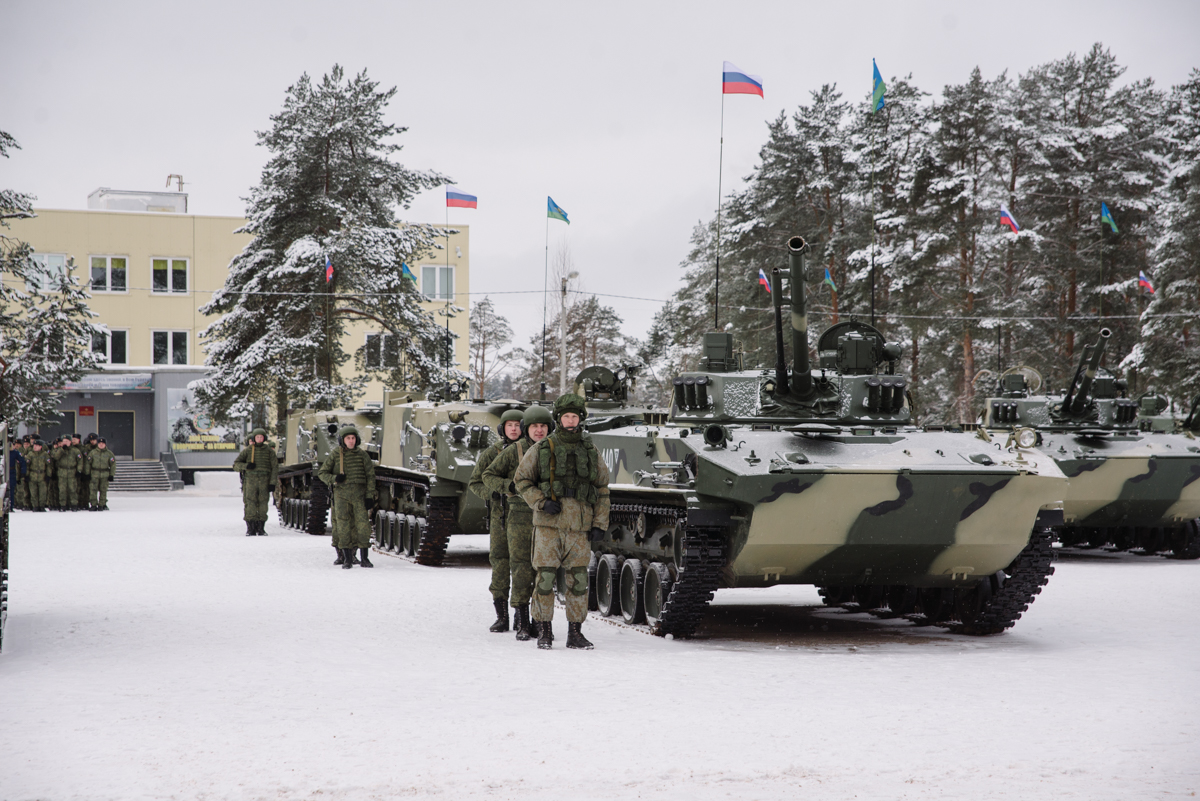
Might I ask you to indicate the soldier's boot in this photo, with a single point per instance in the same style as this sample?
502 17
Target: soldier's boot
349 561
522 625
546 638
341 560
364 560
262 528
501 624
575 638
250 532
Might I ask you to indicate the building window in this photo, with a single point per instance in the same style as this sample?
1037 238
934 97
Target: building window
111 346
46 271
169 347
437 282
383 351
109 274
169 275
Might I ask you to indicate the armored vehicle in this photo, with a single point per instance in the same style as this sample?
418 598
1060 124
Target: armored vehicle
816 476
606 393
1129 487
425 451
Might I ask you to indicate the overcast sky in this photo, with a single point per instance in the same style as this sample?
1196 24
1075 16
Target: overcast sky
612 108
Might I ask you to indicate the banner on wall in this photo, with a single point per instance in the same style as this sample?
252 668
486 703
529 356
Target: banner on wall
191 427
111 382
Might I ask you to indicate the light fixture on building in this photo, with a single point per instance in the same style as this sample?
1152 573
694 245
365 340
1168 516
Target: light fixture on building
118 393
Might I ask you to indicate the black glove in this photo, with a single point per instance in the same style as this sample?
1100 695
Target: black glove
251 465
496 497
512 488
596 534
340 478
368 502
551 507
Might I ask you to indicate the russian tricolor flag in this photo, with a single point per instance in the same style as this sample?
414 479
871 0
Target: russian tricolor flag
762 279
456 198
1006 218
1144 282
736 82
328 270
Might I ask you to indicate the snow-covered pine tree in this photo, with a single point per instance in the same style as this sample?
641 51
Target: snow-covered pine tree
45 333
1170 349
329 191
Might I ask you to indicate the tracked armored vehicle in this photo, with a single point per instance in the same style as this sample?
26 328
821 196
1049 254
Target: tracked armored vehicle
606 393
425 451
1129 487
816 476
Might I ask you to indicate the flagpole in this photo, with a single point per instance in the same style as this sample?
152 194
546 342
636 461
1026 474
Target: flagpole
545 296
872 212
720 169
448 339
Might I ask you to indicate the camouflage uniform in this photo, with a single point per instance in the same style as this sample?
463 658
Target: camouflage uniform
100 467
351 475
563 470
85 450
23 483
68 465
259 467
39 466
497 538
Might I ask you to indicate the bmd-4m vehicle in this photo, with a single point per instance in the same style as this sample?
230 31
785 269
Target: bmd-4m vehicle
765 477
425 451
1129 487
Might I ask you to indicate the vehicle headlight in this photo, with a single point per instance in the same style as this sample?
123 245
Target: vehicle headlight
1026 438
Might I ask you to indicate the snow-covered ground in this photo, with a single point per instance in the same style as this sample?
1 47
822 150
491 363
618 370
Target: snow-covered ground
154 652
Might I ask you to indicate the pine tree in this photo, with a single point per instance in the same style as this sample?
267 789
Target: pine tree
329 191
45 336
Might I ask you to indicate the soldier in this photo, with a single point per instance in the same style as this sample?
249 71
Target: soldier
565 482
23 486
85 450
351 474
536 425
259 467
18 468
510 431
39 465
68 464
100 467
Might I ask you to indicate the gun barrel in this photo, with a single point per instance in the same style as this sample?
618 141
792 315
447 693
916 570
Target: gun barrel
781 375
1089 373
802 383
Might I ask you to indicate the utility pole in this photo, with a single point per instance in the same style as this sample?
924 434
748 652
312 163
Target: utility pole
562 337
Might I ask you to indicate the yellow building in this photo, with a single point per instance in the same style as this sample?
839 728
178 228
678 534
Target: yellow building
151 266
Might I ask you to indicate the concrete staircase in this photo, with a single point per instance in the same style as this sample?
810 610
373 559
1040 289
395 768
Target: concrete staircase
140 477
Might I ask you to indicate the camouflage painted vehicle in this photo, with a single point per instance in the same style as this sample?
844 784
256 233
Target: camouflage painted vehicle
1155 414
607 392
1129 487
425 452
4 509
768 477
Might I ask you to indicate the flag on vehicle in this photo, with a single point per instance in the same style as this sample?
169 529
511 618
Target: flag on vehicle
762 279
407 273
1006 218
555 211
456 198
829 280
736 82
328 270
878 90
1106 217
1143 281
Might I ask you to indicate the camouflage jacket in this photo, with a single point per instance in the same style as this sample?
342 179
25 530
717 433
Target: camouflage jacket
266 463
101 464
576 515
39 465
476 484
356 464
499 475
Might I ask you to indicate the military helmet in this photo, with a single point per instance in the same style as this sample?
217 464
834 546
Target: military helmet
536 414
258 431
346 431
510 414
570 402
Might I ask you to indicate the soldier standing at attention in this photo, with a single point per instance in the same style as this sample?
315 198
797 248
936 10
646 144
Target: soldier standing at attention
73 466
259 467
536 426
100 468
351 474
39 466
23 486
510 431
565 482
18 469
85 450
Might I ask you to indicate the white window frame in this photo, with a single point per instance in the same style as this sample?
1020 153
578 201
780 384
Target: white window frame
108 333
108 290
43 269
171 262
443 275
170 332
384 338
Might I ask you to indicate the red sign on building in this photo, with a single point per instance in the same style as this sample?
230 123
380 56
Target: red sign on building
87 411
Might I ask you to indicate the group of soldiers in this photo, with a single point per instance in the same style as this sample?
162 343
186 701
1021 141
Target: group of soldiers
71 474
547 488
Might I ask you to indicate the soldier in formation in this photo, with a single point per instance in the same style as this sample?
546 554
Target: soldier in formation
68 465
39 467
22 499
100 468
565 482
18 469
351 474
510 431
536 425
259 467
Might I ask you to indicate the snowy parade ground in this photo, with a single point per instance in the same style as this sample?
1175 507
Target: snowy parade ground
153 652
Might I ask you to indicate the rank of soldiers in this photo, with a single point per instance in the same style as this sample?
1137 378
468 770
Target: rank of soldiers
69 474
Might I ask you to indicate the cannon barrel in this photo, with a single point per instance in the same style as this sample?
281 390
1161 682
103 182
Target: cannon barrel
781 374
802 383
1079 403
